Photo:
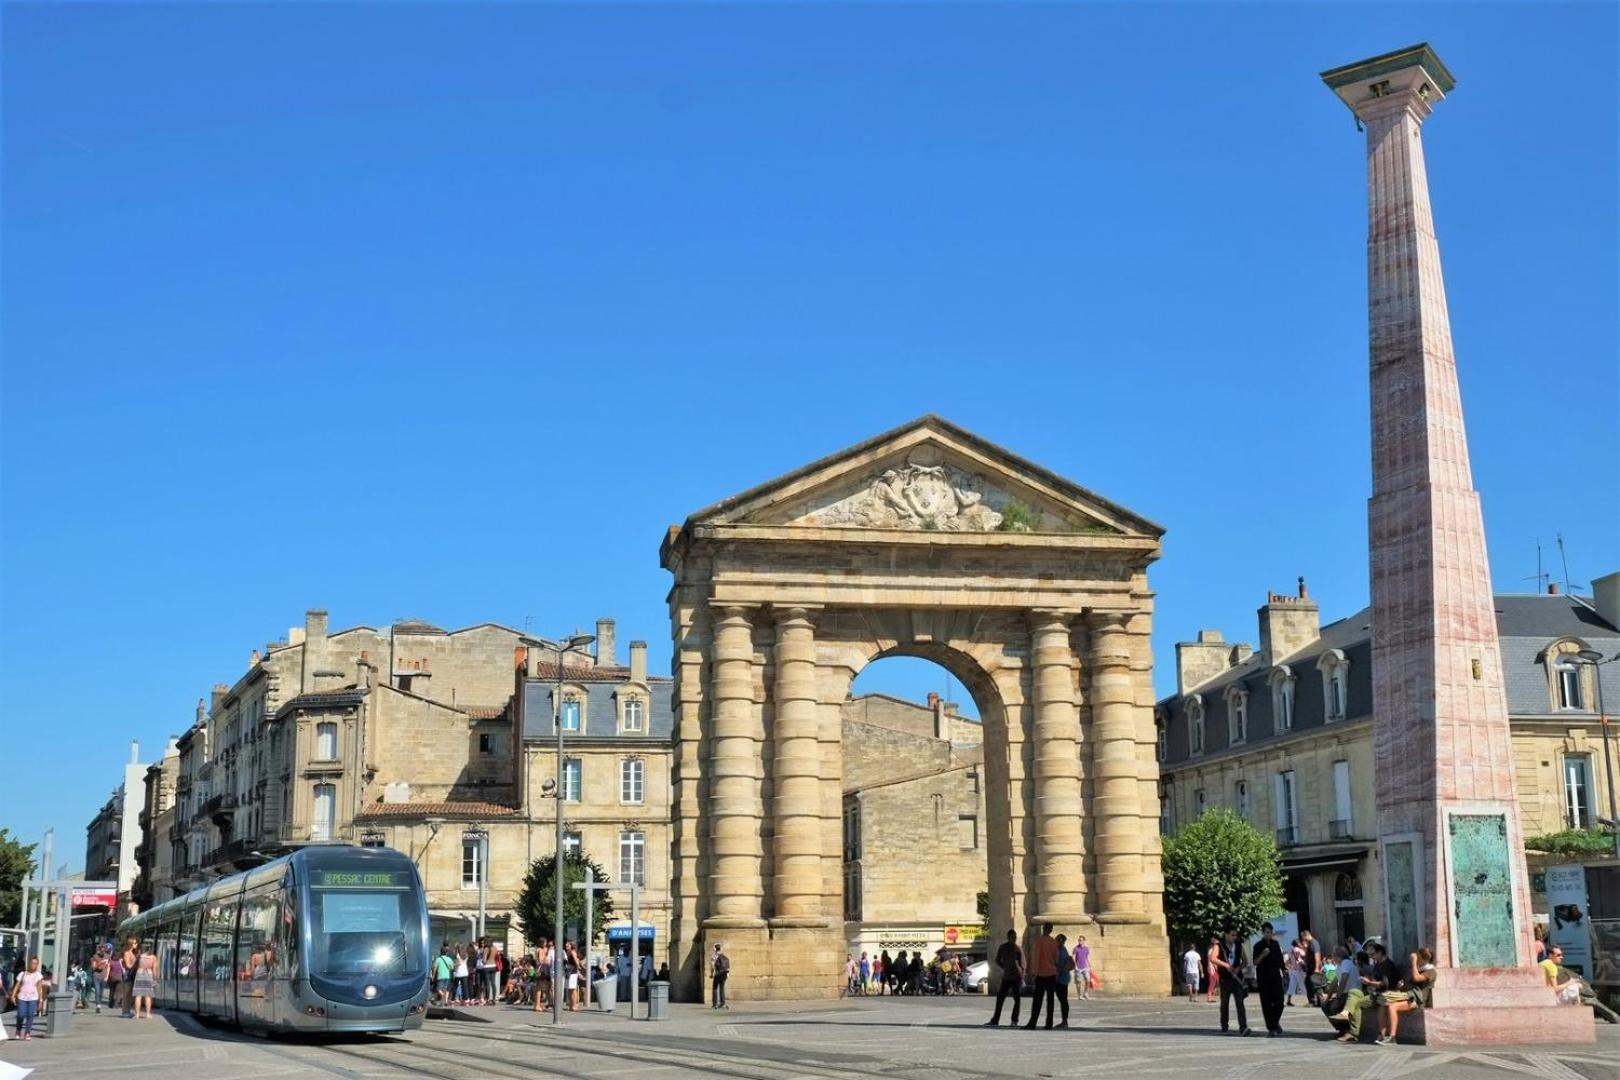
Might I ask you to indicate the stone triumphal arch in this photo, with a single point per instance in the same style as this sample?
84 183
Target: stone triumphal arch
929 541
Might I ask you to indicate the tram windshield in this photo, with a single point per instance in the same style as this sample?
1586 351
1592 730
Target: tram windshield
363 922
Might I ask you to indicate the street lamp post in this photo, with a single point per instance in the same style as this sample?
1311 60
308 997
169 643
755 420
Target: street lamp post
558 986
1596 661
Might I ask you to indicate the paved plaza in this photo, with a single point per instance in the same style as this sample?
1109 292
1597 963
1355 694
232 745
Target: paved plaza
922 1039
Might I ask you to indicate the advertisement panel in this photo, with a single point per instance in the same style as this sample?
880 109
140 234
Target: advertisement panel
95 897
1568 924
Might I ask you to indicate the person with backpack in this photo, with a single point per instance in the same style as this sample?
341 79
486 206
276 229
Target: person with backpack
115 981
1010 959
719 972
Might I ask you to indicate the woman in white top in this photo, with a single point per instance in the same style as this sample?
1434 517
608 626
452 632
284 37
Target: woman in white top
459 975
26 994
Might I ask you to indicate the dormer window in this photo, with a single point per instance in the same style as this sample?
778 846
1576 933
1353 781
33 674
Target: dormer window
573 711
634 715
1195 725
1335 671
1282 697
1567 677
1237 715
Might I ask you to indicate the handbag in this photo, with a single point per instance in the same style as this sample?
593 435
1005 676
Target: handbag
1096 979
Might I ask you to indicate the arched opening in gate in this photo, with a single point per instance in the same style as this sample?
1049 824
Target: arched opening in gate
916 831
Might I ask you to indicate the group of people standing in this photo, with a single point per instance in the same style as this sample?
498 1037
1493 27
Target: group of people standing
126 979
468 974
1354 982
1052 965
905 975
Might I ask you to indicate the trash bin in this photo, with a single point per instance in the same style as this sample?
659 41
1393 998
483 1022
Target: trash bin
60 1017
606 993
657 1000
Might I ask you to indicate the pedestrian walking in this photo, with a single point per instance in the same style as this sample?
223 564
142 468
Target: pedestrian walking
1296 972
1312 967
719 972
144 988
127 997
1190 963
1270 972
26 994
1212 953
865 973
98 972
881 972
1065 975
1043 966
1230 961
1010 959
1082 966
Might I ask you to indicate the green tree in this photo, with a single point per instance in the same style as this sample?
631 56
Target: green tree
1220 873
537 903
16 863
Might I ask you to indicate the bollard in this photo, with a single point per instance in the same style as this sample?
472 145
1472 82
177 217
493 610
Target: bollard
60 1018
657 1000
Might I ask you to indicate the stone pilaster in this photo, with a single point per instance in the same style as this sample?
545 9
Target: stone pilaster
736 807
1116 803
796 772
1059 851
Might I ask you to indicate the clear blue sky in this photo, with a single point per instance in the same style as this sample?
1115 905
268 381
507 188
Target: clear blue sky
305 304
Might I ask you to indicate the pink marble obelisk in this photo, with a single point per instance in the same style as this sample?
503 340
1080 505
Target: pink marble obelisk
1450 846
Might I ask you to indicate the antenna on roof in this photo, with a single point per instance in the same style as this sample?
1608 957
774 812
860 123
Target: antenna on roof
1564 556
1541 576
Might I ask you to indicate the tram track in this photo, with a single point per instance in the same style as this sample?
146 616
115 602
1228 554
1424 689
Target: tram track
742 1067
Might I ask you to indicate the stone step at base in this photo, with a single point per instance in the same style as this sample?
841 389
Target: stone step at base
1499 1025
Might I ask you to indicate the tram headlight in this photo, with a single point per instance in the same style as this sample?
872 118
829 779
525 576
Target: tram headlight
370 992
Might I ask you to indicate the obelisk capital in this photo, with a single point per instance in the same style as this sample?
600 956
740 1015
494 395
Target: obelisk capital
1412 79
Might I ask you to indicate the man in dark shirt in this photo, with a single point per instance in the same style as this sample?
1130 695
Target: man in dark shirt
1269 973
1010 959
1230 962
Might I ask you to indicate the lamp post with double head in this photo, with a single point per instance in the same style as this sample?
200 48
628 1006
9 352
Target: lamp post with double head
558 984
1595 660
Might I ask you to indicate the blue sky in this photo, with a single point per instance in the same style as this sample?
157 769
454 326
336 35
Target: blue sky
307 305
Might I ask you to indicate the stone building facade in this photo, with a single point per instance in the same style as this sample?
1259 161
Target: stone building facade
403 736
914 826
113 837
925 541
155 853
1282 734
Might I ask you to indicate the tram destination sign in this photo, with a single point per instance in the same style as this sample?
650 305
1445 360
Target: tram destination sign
362 879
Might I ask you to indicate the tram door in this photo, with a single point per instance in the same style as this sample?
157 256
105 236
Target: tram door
256 954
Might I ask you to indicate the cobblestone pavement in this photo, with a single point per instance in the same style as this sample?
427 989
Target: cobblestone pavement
921 1039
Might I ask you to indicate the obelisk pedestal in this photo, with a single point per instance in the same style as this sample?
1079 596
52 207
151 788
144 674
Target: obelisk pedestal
1449 839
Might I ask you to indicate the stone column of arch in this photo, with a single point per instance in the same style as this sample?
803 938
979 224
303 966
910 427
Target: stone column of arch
1116 802
736 806
796 772
1059 842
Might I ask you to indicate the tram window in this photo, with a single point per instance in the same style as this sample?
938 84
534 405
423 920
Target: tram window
363 931
284 964
187 959
255 937
217 928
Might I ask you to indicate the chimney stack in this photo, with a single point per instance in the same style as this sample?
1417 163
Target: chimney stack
607 654
1199 661
1552 588
220 690
638 661
1288 624
314 625
202 711
134 751
942 729
1606 597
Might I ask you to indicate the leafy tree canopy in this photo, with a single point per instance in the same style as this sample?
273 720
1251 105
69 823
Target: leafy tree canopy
537 902
16 864
1220 873
1573 842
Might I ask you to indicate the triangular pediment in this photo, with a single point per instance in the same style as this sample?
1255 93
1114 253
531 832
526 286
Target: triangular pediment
928 475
